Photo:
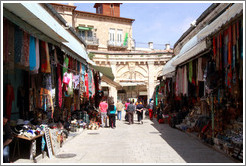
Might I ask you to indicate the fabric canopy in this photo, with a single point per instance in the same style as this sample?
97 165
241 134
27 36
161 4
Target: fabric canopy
107 71
200 47
221 20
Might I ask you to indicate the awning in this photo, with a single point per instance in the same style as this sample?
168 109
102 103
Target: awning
230 13
84 28
168 67
106 71
199 48
35 15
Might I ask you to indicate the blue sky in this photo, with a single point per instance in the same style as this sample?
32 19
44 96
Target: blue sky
160 23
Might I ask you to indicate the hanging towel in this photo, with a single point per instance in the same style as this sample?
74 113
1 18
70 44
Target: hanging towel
32 53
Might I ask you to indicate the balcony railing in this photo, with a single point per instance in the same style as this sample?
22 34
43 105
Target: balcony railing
117 44
91 40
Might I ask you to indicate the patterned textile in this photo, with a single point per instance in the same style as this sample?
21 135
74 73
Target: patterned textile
18 44
32 53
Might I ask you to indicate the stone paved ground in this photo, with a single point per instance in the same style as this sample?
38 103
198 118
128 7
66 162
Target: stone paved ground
147 143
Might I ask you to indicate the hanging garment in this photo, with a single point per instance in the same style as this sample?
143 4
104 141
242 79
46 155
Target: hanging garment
199 72
241 51
217 58
18 44
11 48
46 100
45 57
36 69
5 39
32 53
47 84
190 71
214 47
70 84
10 97
65 64
87 85
185 81
76 81
220 52
59 86
26 42
229 77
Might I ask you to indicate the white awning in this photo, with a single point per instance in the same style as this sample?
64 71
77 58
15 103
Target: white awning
35 15
230 13
168 67
198 48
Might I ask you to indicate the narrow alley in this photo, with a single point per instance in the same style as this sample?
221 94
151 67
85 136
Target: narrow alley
147 143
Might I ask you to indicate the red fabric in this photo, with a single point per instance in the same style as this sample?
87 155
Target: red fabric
87 85
44 57
150 113
220 38
10 97
229 78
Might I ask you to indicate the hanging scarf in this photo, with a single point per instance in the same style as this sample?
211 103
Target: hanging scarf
185 81
214 47
65 64
87 85
11 53
199 72
32 53
229 81
59 86
18 44
45 57
26 41
190 71
5 39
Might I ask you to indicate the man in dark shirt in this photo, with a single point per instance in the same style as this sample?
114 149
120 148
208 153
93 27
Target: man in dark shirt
7 139
130 110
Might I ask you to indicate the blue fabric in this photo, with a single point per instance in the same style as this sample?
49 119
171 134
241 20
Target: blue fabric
32 53
6 154
119 115
114 111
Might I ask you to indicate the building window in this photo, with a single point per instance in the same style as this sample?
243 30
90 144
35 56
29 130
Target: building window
111 35
119 36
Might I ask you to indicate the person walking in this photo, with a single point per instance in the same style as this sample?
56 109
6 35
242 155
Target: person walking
126 105
119 108
130 111
7 139
103 106
151 109
139 110
111 114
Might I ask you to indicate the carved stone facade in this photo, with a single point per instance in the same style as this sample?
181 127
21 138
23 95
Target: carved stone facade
135 69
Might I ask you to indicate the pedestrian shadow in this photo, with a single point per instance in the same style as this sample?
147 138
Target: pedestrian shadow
189 148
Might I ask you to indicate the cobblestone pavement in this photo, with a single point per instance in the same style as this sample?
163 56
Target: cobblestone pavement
149 142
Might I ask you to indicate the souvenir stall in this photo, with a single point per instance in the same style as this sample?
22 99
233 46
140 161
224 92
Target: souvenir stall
43 86
213 88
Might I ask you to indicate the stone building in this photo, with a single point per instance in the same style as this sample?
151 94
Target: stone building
109 41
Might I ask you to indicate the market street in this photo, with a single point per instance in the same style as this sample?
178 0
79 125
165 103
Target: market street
147 143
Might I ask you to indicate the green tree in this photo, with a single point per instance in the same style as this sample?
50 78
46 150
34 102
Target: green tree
91 55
